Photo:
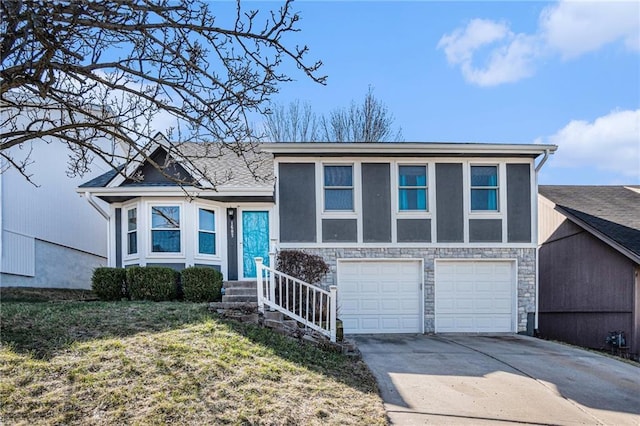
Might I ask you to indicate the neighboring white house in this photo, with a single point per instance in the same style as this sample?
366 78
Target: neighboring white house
50 236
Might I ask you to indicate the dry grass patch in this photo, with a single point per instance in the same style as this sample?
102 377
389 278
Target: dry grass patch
149 363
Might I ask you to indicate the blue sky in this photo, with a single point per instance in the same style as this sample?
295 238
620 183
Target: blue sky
566 73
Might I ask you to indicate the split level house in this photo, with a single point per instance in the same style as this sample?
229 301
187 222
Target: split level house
420 237
590 264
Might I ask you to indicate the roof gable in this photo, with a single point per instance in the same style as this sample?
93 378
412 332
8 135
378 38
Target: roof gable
612 212
171 175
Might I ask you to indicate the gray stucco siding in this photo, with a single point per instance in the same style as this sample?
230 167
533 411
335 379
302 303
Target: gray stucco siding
414 230
339 230
297 198
449 203
376 202
57 266
519 203
485 230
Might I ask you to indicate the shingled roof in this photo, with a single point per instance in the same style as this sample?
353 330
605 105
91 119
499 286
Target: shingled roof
221 164
611 211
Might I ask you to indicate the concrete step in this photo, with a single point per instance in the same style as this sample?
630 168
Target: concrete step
240 306
240 284
240 291
240 298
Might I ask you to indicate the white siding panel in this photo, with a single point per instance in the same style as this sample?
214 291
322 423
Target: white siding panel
18 256
52 211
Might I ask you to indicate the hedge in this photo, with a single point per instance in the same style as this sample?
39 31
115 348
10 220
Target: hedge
157 283
109 283
200 284
309 268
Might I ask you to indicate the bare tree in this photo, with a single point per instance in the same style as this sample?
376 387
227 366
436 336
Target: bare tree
295 123
80 70
370 121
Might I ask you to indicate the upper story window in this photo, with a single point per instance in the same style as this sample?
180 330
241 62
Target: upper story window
206 231
484 188
132 231
338 188
412 188
165 229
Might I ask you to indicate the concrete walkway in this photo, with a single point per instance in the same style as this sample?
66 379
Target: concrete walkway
500 379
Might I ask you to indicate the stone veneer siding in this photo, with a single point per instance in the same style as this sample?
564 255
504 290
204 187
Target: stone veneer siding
526 273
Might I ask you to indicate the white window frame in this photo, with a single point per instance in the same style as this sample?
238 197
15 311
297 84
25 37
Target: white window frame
216 232
150 252
128 231
413 213
499 189
354 195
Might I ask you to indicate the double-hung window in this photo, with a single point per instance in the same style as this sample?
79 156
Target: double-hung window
132 231
484 188
206 231
338 188
165 229
412 188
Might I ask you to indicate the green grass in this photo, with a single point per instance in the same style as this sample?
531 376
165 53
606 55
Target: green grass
70 362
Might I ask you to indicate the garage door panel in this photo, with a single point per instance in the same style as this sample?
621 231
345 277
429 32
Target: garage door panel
474 296
381 296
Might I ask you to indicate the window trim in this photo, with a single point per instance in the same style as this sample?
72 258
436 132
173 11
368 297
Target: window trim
216 225
339 213
497 188
413 212
128 253
180 229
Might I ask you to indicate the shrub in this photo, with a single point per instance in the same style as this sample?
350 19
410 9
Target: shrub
157 283
307 267
109 283
201 284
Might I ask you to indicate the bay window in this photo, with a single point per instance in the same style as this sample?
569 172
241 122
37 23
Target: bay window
165 229
206 231
132 231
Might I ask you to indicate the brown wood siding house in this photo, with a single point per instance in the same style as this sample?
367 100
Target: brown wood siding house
589 264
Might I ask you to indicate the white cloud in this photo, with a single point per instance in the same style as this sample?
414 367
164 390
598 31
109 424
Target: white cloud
574 28
510 60
610 142
569 28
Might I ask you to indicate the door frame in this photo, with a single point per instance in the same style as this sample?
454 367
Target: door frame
240 232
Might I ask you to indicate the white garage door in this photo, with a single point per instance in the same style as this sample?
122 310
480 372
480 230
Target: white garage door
474 296
380 296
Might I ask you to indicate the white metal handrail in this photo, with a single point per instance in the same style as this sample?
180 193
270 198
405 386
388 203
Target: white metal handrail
306 303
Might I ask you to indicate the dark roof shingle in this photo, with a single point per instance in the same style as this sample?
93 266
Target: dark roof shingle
614 211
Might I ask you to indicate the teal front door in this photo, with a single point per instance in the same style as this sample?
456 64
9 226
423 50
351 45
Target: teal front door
255 240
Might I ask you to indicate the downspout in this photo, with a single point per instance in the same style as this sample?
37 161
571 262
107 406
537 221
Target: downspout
537 312
541 163
95 205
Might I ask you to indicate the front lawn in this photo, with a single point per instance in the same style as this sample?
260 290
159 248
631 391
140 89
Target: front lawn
149 363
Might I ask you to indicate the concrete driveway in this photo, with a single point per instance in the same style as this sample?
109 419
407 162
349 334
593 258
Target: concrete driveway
499 379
